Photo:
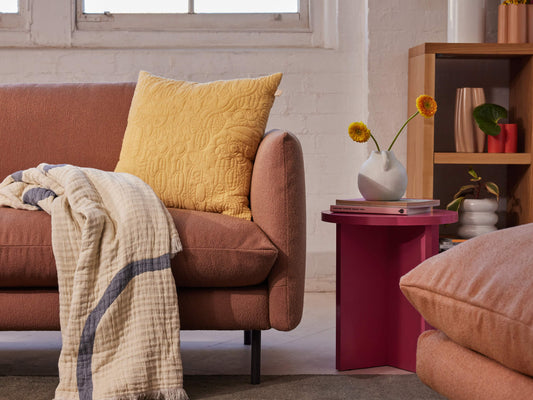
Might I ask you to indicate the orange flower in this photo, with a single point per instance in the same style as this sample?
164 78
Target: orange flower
359 132
426 105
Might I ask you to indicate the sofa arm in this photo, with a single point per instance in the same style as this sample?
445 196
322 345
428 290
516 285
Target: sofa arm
277 200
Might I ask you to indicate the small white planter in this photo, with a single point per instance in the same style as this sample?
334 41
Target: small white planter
478 216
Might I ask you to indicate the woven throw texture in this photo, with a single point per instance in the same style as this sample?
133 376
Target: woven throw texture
194 143
112 240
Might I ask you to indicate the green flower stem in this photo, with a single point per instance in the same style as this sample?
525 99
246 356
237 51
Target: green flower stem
401 129
374 139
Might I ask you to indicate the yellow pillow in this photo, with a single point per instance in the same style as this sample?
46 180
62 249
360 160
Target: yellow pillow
194 143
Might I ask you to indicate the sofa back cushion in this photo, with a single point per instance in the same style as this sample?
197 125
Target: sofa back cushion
79 124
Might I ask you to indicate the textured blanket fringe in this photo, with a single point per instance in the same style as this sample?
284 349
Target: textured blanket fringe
163 394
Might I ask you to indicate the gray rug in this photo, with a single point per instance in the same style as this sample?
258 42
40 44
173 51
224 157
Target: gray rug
288 387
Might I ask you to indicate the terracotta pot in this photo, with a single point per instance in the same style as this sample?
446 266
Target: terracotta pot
517 23
529 8
382 177
511 137
502 23
496 144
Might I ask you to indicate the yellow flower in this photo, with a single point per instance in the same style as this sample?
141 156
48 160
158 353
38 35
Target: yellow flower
359 132
426 105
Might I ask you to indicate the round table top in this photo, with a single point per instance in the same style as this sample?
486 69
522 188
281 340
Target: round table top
435 217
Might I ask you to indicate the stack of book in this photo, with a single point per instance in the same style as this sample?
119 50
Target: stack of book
397 207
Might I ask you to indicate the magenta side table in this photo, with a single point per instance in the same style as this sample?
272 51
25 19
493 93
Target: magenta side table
376 325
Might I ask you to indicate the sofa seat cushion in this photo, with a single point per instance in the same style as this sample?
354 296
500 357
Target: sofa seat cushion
218 250
26 257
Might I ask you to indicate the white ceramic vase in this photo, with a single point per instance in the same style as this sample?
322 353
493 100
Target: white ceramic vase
382 177
478 216
466 21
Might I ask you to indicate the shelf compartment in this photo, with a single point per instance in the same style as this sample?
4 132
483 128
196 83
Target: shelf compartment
483 158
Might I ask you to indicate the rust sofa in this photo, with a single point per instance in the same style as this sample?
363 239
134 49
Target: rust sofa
232 274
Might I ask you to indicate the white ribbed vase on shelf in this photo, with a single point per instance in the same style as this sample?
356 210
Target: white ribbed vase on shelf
466 21
382 177
478 216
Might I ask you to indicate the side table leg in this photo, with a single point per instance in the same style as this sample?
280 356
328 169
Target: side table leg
361 297
405 323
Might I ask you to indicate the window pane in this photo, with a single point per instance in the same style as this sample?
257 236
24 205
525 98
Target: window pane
9 6
246 6
135 6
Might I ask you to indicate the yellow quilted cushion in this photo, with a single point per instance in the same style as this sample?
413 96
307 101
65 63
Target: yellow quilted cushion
194 143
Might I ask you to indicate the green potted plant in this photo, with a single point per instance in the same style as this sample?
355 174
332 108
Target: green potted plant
478 212
500 137
487 116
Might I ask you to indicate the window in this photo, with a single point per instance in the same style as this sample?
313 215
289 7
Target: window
183 15
11 16
9 6
188 6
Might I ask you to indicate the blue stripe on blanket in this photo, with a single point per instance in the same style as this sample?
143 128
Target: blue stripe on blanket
34 195
115 288
17 176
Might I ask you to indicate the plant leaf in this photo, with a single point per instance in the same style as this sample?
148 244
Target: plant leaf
493 188
455 204
473 173
464 190
487 116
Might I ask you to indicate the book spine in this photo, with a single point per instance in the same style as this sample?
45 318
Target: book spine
369 210
370 203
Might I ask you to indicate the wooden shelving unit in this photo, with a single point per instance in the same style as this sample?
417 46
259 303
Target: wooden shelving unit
504 70
482 158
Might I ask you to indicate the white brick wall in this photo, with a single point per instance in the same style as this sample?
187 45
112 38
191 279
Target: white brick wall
395 27
323 91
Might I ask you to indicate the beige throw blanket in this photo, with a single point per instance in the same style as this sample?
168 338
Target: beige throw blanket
112 240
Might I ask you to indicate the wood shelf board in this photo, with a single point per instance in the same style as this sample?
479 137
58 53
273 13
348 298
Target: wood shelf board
483 158
473 50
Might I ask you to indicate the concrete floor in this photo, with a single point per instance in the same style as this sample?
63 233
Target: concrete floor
308 349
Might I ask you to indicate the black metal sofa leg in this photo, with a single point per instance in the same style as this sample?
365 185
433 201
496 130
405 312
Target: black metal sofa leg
247 337
256 357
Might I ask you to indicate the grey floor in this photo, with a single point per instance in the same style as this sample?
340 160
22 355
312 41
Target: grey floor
308 349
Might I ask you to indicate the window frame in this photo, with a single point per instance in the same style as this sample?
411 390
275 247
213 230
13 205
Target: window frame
15 21
182 22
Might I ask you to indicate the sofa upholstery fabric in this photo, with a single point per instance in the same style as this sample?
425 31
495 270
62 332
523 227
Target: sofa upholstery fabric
26 256
277 198
78 124
218 250
462 374
480 295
